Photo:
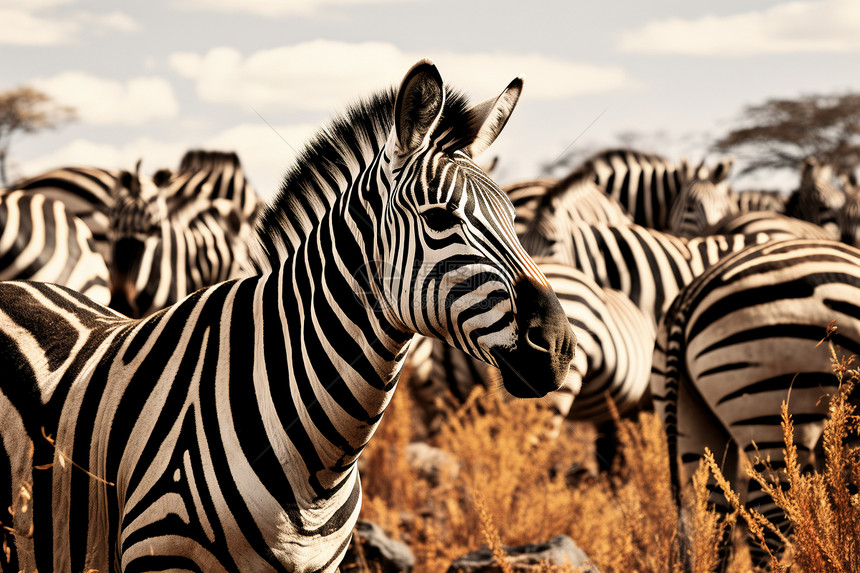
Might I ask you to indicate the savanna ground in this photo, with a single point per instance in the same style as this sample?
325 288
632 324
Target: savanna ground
508 484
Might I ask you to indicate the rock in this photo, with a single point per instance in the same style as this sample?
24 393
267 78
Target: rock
558 551
432 464
373 549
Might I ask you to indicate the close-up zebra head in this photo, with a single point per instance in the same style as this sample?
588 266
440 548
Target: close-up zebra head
448 262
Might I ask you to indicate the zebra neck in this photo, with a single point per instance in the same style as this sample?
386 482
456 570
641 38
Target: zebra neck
342 355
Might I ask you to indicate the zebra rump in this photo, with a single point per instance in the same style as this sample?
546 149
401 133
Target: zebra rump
740 340
41 241
86 192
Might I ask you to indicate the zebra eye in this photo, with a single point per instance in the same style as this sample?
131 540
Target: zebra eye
440 219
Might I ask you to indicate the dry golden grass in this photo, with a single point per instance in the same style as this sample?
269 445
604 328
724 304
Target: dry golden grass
509 487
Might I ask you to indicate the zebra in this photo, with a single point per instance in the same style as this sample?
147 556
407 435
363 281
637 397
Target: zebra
817 200
221 433
206 176
848 218
774 225
41 241
86 192
759 200
738 341
700 205
576 197
648 266
613 356
647 184
191 230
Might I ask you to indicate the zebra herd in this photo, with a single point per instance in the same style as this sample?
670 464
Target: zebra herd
190 375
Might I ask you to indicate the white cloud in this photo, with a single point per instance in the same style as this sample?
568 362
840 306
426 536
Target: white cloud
101 101
273 7
827 26
321 74
21 28
155 154
33 5
25 25
112 21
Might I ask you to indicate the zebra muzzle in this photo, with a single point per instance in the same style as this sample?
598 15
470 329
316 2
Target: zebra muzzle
540 360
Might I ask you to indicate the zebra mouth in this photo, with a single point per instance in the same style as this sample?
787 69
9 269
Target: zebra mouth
534 373
540 360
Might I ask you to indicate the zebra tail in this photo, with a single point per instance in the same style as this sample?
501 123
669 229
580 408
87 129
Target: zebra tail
674 350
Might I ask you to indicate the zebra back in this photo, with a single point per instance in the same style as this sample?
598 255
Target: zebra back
647 265
774 225
574 198
210 177
41 241
647 184
644 184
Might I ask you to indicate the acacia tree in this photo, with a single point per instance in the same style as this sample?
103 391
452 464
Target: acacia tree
27 110
781 133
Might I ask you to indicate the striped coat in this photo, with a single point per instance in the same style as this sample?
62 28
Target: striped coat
817 200
41 241
192 231
86 192
740 340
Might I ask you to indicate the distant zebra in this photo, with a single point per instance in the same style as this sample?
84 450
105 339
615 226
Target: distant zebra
41 241
210 177
222 432
700 205
848 219
817 200
648 266
574 198
613 357
738 341
86 192
646 184
775 225
759 200
192 231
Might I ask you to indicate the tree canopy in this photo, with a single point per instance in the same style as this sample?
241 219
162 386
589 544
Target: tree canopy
26 110
781 133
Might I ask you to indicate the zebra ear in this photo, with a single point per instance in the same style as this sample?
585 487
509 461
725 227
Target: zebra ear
721 171
418 106
492 115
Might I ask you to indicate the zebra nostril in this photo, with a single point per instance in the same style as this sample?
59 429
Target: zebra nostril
537 339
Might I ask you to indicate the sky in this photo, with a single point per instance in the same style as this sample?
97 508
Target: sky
153 79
